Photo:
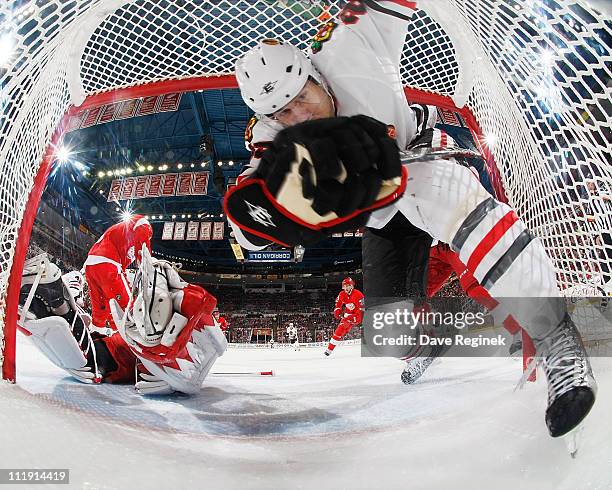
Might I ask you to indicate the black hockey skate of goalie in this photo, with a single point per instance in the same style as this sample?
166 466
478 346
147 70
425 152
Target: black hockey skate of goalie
318 177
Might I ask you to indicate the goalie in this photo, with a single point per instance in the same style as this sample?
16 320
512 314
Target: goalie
167 341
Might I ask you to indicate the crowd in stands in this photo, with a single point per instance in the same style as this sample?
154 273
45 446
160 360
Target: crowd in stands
66 258
310 313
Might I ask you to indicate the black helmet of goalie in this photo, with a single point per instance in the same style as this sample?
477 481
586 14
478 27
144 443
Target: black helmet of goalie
272 73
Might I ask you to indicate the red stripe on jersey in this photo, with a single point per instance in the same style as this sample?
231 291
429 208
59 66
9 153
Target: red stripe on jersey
490 239
443 139
405 3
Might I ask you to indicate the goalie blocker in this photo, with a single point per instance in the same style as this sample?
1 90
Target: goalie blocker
319 177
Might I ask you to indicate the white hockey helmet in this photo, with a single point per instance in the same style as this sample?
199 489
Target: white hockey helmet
271 74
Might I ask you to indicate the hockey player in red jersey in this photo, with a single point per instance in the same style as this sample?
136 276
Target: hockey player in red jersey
351 300
169 346
220 320
106 262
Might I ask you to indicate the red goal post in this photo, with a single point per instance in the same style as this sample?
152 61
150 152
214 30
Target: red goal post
533 80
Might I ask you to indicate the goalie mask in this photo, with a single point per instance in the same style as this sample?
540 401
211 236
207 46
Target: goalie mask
153 308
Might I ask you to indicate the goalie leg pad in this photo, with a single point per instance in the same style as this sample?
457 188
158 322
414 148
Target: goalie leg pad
52 336
192 365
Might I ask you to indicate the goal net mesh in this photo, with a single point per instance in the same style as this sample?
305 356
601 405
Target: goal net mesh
534 75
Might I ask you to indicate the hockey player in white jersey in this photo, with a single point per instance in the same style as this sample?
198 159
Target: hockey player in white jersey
292 336
312 174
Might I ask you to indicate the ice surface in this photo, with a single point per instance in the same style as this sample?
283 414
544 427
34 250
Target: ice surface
338 422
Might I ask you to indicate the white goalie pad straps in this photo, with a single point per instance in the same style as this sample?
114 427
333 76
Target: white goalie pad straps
52 336
188 375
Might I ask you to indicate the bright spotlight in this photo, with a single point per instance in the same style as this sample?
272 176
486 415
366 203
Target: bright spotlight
490 139
547 58
62 154
180 165
101 174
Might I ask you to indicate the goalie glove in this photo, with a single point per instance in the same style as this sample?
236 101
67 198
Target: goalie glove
319 177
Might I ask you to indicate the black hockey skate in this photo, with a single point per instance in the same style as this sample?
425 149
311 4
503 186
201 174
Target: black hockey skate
571 385
416 366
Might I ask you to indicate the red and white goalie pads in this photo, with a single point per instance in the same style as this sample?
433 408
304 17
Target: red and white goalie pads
169 326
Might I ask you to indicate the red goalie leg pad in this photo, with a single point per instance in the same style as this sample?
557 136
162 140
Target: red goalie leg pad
123 357
198 302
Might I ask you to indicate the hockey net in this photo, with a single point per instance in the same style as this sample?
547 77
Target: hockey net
531 79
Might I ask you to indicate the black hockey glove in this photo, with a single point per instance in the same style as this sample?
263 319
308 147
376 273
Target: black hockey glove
317 178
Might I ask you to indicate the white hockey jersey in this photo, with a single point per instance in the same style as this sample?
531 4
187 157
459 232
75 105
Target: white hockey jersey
360 64
292 332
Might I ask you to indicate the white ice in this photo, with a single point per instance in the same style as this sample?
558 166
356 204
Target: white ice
338 422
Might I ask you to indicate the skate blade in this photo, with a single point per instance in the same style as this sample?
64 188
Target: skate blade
531 367
572 440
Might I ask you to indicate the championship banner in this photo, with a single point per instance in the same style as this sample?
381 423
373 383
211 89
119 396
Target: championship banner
448 117
184 184
170 102
200 183
108 113
179 230
128 109
115 190
155 185
169 185
141 186
92 117
192 230
168 230
205 228
270 256
218 230
129 186
147 106
75 121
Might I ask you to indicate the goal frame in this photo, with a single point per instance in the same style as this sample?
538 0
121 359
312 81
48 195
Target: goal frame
154 89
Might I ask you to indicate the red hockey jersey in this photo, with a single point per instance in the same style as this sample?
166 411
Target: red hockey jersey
353 304
122 242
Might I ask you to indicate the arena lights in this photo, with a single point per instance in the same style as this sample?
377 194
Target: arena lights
179 166
62 153
490 139
126 216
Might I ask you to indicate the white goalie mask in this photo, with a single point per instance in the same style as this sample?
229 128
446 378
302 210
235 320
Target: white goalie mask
153 307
